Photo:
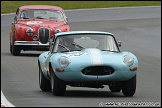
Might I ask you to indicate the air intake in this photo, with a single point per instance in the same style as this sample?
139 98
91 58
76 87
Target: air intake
98 70
44 35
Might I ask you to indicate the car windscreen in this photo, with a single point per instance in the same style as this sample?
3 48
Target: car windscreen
42 13
81 41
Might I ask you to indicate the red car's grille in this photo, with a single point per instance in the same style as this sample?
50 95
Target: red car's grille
98 70
44 34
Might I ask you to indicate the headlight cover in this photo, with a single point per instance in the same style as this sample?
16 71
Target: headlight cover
30 32
63 62
128 60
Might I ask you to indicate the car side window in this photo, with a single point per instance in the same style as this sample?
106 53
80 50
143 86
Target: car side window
17 15
15 18
17 11
65 17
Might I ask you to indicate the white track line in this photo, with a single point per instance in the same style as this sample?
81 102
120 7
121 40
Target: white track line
5 102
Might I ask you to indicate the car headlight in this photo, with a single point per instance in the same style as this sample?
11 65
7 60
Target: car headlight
128 60
63 61
30 32
57 31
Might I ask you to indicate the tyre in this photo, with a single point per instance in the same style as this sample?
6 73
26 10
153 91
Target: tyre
115 88
129 87
15 49
58 86
10 48
44 84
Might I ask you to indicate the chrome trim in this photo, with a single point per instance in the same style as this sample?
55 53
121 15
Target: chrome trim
30 43
43 30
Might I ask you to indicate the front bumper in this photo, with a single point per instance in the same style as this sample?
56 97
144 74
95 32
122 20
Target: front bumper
32 45
80 77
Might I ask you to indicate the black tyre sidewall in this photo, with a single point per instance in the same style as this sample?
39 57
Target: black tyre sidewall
129 87
44 84
15 49
58 86
10 48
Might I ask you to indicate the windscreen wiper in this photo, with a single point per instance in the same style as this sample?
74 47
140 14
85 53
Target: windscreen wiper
64 47
77 45
39 17
110 50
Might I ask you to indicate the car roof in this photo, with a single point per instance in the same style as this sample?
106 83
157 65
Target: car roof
84 32
26 7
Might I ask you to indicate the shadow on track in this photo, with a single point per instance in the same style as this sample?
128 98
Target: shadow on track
22 54
81 93
29 55
86 93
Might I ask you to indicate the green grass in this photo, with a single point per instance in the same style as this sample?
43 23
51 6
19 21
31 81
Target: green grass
11 6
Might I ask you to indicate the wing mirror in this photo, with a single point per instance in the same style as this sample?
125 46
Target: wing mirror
119 43
51 40
15 18
51 43
66 19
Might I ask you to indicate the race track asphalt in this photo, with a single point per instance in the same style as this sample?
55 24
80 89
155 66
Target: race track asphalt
139 30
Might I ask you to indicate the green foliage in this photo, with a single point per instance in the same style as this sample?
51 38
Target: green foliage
11 6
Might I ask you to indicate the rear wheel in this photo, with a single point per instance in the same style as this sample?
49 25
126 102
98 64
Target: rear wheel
58 86
129 87
44 84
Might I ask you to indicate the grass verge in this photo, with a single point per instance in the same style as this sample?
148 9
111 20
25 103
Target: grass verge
11 6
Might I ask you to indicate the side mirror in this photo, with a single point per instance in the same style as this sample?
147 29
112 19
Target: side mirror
51 43
51 40
119 43
15 18
66 19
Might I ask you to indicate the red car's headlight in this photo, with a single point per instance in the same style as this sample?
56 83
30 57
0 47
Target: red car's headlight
57 31
30 32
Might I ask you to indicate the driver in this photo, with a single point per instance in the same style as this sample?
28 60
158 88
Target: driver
68 42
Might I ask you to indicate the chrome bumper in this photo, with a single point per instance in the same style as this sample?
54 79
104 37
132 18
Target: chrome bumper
32 43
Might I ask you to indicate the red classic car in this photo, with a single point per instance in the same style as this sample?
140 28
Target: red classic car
34 26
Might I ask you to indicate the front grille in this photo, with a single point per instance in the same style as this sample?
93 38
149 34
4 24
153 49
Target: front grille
44 34
98 70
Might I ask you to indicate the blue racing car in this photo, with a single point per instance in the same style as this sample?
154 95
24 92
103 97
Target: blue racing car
87 59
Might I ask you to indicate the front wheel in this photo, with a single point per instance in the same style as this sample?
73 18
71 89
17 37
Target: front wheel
15 49
129 87
58 86
10 48
44 84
